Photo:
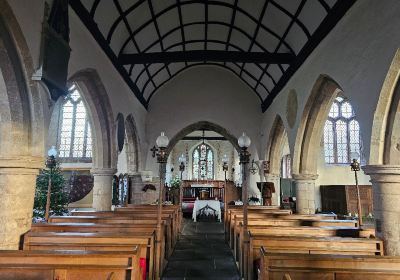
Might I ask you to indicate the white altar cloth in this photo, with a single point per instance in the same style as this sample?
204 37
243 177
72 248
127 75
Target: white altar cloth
199 204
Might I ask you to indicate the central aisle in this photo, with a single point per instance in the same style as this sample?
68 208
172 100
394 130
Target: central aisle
201 253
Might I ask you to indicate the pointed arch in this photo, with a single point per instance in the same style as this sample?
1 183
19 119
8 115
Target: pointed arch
277 139
21 110
310 131
101 117
200 126
385 136
132 147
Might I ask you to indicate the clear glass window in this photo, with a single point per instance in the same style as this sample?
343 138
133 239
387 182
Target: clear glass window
341 132
75 138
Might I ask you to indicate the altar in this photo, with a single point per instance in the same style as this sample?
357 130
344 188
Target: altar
209 207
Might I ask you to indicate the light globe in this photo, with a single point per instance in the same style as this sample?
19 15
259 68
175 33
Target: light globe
244 141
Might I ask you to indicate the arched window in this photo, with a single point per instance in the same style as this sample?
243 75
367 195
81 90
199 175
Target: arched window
341 132
75 137
203 162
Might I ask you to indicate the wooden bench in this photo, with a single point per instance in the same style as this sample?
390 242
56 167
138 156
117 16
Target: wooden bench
69 265
171 209
327 267
98 241
266 217
142 211
308 245
171 231
120 220
256 213
305 231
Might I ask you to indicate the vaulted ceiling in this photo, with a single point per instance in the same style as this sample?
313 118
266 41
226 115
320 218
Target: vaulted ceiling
263 42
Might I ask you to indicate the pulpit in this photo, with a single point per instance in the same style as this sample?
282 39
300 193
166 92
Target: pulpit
266 189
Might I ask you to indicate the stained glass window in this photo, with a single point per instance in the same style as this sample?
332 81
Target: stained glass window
203 162
75 139
341 132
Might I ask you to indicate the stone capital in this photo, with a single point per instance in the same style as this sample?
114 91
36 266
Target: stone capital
103 171
305 177
383 173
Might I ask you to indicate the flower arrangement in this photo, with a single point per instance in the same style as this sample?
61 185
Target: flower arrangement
175 182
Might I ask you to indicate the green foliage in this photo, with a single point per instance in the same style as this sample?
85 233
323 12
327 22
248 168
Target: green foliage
58 197
175 182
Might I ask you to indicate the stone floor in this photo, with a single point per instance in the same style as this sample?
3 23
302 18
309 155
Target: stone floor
201 253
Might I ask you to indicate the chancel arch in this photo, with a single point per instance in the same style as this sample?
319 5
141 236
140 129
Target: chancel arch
21 131
384 160
104 156
200 126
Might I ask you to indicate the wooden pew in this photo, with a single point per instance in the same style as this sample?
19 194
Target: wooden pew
327 267
232 212
174 209
98 241
301 231
171 230
308 245
69 265
263 222
313 229
305 219
121 220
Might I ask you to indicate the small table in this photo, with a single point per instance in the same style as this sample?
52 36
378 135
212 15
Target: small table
200 204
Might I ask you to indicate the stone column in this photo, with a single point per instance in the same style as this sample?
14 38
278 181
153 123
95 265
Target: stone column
385 181
276 179
17 192
305 193
102 188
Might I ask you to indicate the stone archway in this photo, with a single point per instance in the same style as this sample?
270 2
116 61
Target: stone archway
104 135
200 126
309 134
277 139
21 131
384 160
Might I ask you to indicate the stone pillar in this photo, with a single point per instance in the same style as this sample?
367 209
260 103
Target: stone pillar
305 193
385 181
17 192
276 179
102 188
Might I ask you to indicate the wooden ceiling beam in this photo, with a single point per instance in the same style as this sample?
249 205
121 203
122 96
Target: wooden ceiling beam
209 55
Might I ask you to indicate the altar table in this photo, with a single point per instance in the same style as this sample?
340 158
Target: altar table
200 204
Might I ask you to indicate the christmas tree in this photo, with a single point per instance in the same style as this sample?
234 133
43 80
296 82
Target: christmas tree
58 197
